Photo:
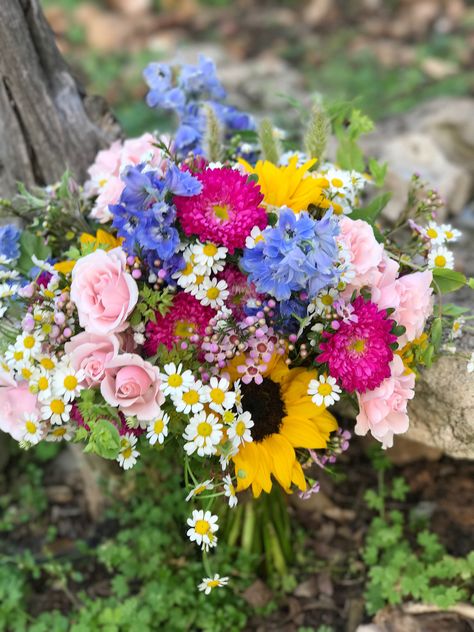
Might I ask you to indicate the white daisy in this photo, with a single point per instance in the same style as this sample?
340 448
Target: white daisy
324 391
26 370
56 410
32 430
212 292
42 264
174 380
60 433
30 343
191 399
127 457
456 329
255 236
203 433
6 291
209 257
199 489
15 357
441 257
203 526
209 583
188 275
239 432
41 383
157 430
47 362
67 382
434 233
450 233
9 274
5 261
229 491
218 395
325 300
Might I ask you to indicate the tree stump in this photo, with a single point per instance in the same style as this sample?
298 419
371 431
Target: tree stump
47 122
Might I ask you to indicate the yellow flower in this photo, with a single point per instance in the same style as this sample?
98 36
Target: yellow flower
290 185
412 353
284 418
100 240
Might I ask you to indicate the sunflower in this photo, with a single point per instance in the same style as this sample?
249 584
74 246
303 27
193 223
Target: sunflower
289 185
284 418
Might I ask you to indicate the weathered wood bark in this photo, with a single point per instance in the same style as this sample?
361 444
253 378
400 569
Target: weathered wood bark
47 122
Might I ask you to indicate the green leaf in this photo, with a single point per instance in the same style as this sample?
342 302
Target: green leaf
448 280
470 282
449 309
104 440
378 171
399 489
349 155
436 333
31 244
370 212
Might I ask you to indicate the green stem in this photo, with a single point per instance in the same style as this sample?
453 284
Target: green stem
249 527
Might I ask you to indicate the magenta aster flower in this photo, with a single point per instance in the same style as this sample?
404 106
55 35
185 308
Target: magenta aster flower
225 211
186 318
358 354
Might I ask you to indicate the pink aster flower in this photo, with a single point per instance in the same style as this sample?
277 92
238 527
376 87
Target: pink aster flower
187 317
240 290
225 211
358 354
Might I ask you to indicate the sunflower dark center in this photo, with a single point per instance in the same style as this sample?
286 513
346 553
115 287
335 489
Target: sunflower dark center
264 403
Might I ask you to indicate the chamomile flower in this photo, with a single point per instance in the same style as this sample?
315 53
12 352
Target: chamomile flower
255 236
239 432
324 391
202 434
441 257
212 292
209 257
30 343
174 380
5 261
47 362
32 430
202 527
56 410
199 489
456 329
238 395
229 491
60 433
6 290
127 457
67 382
218 395
187 276
325 301
9 275
450 233
209 583
435 234
191 399
42 264
26 369
470 364
157 430
41 384
15 357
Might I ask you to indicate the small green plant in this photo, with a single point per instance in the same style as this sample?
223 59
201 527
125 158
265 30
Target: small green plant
405 559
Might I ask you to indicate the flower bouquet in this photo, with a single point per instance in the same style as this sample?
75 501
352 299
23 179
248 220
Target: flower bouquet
220 290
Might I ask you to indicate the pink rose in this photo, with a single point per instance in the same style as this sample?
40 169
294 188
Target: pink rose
133 384
383 411
365 252
103 292
109 193
16 400
91 353
415 304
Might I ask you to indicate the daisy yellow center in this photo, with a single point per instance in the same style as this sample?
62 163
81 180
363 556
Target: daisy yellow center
358 345
18 355
221 211
210 250
187 270
47 364
202 527
57 407
324 389
432 233
456 326
38 317
46 328
191 397
217 395
70 382
158 426
213 583
29 342
199 279
183 329
337 182
199 490
127 452
43 383
175 380
448 234
440 261
59 432
26 374
204 429
212 293
102 182
228 417
327 299
258 238
30 427
240 429
48 293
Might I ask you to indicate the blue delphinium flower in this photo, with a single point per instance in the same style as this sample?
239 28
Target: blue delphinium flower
9 241
298 255
185 89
